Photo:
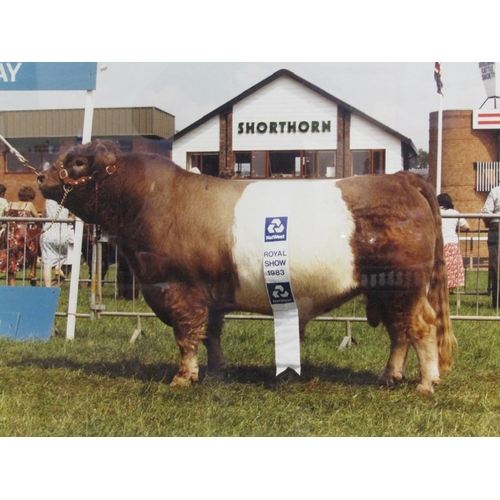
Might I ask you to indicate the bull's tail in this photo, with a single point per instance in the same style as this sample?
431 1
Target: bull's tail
437 295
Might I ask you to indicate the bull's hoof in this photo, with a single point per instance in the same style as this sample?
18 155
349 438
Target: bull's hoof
423 390
389 380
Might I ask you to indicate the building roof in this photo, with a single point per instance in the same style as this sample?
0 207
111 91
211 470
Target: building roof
284 72
107 122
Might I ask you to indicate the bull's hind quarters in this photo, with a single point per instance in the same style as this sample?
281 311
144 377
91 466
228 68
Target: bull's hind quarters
194 242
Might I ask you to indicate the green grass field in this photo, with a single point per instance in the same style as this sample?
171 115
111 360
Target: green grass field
100 384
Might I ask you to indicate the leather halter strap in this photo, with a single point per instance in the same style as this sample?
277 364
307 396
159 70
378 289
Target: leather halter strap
66 179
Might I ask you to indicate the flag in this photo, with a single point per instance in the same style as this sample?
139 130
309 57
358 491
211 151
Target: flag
437 77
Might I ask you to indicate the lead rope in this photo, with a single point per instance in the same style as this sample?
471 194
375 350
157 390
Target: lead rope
19 156
25 162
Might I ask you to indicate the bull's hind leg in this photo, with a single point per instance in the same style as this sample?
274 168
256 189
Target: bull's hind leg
383 307
411 321
424 340
400 344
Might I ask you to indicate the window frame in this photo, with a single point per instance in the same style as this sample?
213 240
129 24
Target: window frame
195 160
266 157
376 161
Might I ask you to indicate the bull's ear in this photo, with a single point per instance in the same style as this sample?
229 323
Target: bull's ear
105 153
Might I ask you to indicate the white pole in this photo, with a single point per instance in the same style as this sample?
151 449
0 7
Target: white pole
75 270
439 144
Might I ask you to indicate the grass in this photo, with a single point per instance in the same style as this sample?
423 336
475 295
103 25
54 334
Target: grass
102 385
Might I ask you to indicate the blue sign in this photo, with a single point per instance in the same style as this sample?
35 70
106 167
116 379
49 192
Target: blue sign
275 229
48 76
27 312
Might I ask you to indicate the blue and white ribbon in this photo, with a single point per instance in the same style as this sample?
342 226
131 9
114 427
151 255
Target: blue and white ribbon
280 292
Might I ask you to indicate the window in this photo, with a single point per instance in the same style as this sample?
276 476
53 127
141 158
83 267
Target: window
320 164
285 164
378 161
40 153
242 164
207 163
259 164
368 162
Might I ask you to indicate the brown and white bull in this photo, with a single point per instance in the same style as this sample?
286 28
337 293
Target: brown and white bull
195 244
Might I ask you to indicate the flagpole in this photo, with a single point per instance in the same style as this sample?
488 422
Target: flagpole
439 84
439 144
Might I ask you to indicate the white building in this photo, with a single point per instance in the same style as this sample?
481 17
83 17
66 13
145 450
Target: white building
286 127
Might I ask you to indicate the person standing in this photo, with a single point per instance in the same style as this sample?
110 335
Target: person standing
4 204
492 206
56 244
452 255
22 243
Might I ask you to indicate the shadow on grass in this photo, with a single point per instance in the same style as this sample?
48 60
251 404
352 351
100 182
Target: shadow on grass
239 374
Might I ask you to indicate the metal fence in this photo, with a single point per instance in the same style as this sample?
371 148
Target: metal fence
106 288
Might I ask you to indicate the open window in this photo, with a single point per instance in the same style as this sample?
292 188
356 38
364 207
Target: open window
207 163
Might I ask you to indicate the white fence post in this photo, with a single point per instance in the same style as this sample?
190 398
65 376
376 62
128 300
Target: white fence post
75 272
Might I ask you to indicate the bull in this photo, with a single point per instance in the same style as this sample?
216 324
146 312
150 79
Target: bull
195 244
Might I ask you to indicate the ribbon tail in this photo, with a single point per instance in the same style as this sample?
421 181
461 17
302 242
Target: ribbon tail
287 341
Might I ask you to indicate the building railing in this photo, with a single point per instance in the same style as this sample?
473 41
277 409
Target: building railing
487 175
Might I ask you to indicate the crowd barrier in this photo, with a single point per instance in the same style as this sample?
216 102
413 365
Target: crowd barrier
107 289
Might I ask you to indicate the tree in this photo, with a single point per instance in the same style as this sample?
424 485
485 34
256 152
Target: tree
421 161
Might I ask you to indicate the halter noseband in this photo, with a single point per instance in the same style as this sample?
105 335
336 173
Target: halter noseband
68 181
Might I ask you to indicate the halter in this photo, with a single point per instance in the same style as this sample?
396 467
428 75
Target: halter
68 181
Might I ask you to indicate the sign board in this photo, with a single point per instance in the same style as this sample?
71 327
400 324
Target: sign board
488 76
27 313
486 119
48 76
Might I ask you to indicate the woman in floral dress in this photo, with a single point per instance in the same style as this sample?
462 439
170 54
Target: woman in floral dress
21 243
452 255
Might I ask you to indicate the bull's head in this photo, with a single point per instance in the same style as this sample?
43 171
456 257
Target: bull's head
75 175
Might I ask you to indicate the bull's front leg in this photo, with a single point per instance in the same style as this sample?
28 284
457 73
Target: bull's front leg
188 342
190 318
216 361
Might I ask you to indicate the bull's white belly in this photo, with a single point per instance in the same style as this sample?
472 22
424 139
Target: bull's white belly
320 228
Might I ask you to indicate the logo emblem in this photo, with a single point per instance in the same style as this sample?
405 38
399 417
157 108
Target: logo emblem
276 228
279 293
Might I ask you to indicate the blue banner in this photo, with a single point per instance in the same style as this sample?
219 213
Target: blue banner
48 76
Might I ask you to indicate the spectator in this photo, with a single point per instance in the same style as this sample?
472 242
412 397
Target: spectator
56 245
492 206
3 202
21 246
452 255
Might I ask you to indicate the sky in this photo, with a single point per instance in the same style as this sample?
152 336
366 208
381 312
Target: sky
400 95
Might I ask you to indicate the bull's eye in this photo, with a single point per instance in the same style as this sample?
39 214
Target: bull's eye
79 163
